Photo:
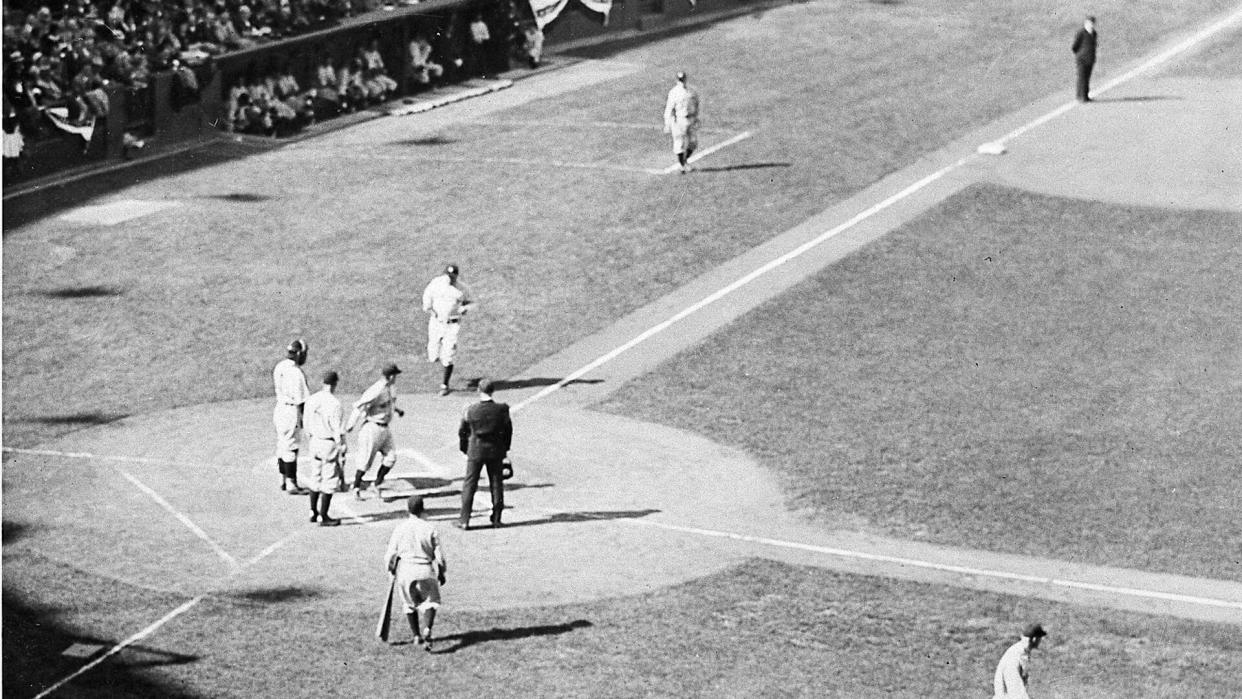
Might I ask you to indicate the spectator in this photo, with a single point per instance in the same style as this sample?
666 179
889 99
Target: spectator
532 45
480 46
376 73
350 86
424 69
327 95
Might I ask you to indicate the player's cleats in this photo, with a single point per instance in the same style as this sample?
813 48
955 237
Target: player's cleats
330 522
445 390
314 517
357 493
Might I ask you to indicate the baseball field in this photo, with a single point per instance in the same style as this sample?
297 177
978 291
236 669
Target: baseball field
836 414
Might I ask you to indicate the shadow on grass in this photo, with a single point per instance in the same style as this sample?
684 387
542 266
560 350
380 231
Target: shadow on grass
1137 98
275 595
76 419
743 166
13 531
516 384
436 140
471 638
34 659
240 197
83 292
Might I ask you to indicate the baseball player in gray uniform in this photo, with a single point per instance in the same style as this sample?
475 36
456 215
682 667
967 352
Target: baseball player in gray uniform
291 395
445 300
681 119
416 557
325 426
375 409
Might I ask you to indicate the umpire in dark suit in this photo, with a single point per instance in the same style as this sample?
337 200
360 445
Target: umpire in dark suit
484 437
1085 42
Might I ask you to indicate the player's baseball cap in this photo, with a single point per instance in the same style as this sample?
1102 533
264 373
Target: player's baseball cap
681 76
390 369
1034 631
330 378
452 269
296 347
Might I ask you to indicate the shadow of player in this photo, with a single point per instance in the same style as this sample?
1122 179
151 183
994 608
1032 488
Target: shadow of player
470 638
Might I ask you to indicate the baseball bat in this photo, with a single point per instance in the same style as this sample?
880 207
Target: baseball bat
381 629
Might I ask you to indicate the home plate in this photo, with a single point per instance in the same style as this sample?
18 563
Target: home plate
115 212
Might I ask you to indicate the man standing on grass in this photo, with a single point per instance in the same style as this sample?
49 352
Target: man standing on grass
1013 671
1085 42
291 395
375 409
484 436
681 119
445 300
416 558
325 426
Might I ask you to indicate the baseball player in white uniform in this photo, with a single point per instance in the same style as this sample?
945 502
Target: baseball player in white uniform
681 119
291 395
375 409
325 425
445 300
1014 669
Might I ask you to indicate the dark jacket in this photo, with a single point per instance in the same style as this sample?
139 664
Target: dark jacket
486 431
1084 46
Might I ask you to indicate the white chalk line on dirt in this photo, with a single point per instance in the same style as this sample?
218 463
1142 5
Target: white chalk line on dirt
1160 58
704 153
157 624
189 523
945 567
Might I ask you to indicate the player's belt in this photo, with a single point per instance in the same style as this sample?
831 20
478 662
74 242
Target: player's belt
453 320
377 422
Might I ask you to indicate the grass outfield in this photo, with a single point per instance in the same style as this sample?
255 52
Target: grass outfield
763 629
193 304
1009 372
1221 58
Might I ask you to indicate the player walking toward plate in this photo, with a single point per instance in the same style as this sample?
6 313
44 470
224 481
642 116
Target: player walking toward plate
375 409
445 300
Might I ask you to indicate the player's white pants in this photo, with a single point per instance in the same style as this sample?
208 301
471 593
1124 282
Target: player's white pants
288 436
685 135
442 341
375 439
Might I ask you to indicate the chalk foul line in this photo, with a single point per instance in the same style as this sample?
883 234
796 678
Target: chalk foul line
948 567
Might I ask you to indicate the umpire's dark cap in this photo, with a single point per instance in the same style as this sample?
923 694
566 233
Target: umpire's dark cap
390 369
1034 631
330 378
487 386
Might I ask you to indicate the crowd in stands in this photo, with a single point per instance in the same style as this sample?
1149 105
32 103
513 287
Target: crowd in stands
62 61
64 56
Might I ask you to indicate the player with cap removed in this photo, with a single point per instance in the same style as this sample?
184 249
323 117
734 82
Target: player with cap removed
681 119
325 425
445 300
291 395
375 409
1013 672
